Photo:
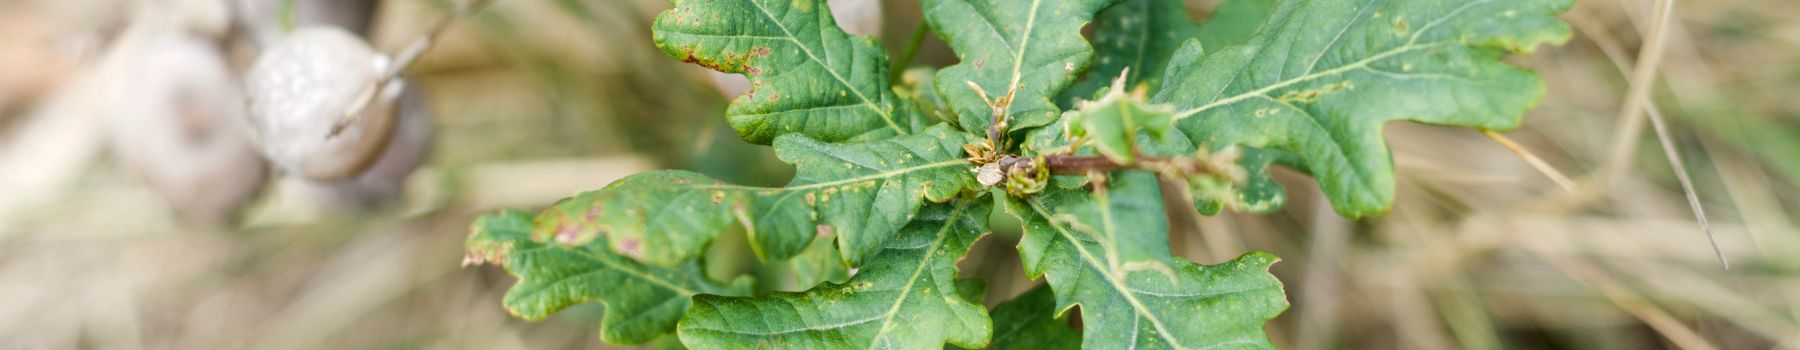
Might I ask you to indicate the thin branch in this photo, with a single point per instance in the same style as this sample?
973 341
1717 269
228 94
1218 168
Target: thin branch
1080 165
1075 165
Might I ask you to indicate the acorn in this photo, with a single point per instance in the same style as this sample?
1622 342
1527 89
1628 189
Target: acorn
175 118
325 107
309 104
385 178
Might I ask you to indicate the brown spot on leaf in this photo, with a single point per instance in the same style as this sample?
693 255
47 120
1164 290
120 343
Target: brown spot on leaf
690 57
824 230
567 234
980 63
631 247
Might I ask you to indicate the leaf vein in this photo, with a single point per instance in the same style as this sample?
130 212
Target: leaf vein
887 321
616 266
1110 279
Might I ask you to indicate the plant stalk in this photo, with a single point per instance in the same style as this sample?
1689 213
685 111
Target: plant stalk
1080 165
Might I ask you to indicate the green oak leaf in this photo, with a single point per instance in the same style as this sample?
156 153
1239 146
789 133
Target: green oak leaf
806 75
1234 22
905 298
1153 299
1124 218
642 301
1029 322
1030 48
1134 39
1321 77
859 192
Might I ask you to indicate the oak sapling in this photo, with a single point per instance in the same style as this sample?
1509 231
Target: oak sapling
902 180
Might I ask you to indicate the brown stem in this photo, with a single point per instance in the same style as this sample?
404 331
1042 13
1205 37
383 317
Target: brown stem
1079 165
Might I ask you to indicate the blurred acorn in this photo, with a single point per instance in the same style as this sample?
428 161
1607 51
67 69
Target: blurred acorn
322 110
385 178
175 119
302 92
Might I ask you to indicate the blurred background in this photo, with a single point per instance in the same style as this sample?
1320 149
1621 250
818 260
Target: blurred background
134 213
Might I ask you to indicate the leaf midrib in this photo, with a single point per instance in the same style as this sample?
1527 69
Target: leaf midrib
1125 291
621 268
840 325
885 115
887 320
1019 56
893 310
